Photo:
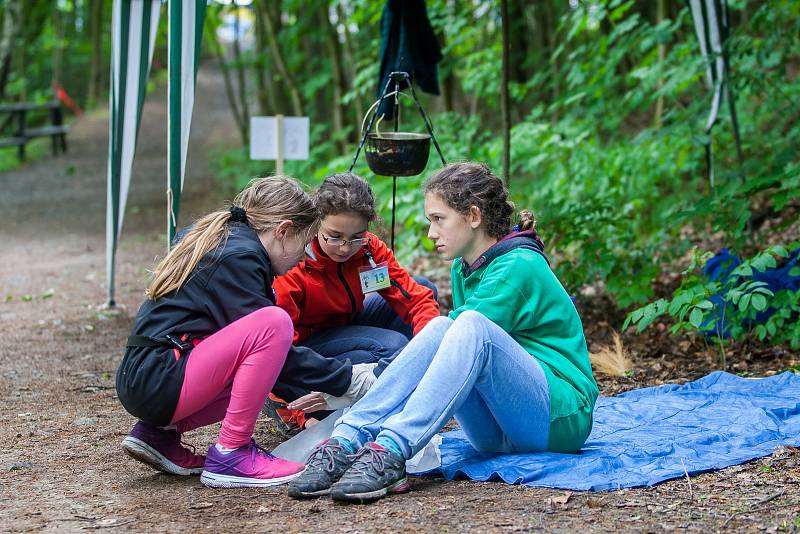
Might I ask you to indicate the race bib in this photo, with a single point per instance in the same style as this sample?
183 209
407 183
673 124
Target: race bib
374 278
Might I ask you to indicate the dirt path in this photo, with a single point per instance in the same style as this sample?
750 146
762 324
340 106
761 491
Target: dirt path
61 468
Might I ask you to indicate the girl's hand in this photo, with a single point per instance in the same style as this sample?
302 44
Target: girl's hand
363 378
313 402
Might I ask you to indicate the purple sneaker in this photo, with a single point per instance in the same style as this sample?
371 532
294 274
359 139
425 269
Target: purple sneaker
162 450
249 466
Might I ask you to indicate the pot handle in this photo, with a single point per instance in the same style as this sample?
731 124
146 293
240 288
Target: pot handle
377 123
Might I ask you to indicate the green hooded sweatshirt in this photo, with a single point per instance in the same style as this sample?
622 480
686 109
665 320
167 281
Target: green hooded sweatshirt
519 292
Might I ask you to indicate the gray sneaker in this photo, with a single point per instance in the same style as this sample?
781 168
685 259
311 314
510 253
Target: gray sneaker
375 473
326 464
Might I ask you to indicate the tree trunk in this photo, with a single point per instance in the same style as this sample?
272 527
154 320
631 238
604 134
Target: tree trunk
280 63
277 95
219 53
58 49
504 102
12 22
551 23
264 104
242 79
350 61
448 77
662 51
519 49
96 38
332 43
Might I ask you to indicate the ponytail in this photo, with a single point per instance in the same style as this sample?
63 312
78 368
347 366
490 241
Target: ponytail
262 205
173 271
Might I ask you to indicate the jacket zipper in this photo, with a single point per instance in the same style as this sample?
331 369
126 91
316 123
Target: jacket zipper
346 287
405 293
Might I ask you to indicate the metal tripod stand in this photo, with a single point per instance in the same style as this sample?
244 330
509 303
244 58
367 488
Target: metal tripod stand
397 78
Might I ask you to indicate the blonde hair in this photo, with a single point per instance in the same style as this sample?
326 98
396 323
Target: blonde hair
266 201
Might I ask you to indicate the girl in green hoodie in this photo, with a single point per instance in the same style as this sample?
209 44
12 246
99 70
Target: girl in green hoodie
509 362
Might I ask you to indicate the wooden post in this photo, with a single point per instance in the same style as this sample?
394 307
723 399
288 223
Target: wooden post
21 133
279 161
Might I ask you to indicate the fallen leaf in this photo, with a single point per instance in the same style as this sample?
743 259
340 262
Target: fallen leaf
562 499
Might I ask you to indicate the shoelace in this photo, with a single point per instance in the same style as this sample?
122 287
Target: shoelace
258 450
324 457
188 446
183 446
376 461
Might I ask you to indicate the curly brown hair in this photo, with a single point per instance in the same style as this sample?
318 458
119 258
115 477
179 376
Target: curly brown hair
467 184
345 192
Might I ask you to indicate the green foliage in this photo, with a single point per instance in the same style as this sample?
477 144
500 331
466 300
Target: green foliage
742 300
33 151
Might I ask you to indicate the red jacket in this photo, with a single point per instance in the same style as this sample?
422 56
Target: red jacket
322 293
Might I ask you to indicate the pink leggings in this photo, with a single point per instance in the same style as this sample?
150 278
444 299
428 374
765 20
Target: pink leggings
229 374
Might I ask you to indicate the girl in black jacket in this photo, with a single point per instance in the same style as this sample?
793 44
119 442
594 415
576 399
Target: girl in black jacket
208 344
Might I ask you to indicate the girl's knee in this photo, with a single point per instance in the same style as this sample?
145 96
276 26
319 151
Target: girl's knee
471 317
272 313
471 325
275 319
441 321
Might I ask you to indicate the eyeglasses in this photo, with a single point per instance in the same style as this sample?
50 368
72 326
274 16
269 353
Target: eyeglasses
339 242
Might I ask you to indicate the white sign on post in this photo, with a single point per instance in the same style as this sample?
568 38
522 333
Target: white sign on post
266 134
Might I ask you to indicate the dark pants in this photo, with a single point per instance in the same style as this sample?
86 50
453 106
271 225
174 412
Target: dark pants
377 334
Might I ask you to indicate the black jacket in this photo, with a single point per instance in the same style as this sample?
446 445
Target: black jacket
228 283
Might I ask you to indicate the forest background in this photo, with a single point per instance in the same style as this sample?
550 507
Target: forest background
608 101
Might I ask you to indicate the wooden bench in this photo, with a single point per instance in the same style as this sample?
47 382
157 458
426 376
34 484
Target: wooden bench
17 114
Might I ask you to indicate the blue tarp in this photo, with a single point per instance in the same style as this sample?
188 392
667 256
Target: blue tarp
649 435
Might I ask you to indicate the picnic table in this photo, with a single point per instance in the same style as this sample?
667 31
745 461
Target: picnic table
22 134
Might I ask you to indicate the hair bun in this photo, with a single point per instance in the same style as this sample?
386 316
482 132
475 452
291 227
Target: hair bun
527 220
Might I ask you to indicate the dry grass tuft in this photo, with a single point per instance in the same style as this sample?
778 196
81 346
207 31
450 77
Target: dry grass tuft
612 360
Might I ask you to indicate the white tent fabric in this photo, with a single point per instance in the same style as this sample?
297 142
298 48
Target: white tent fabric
185 37
134 24
712 28
134 29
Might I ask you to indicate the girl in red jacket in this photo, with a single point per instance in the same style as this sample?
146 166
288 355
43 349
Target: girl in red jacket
349 299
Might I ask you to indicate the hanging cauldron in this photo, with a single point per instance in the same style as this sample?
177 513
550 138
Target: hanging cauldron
397 153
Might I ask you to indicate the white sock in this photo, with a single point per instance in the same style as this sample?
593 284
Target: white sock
223 450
